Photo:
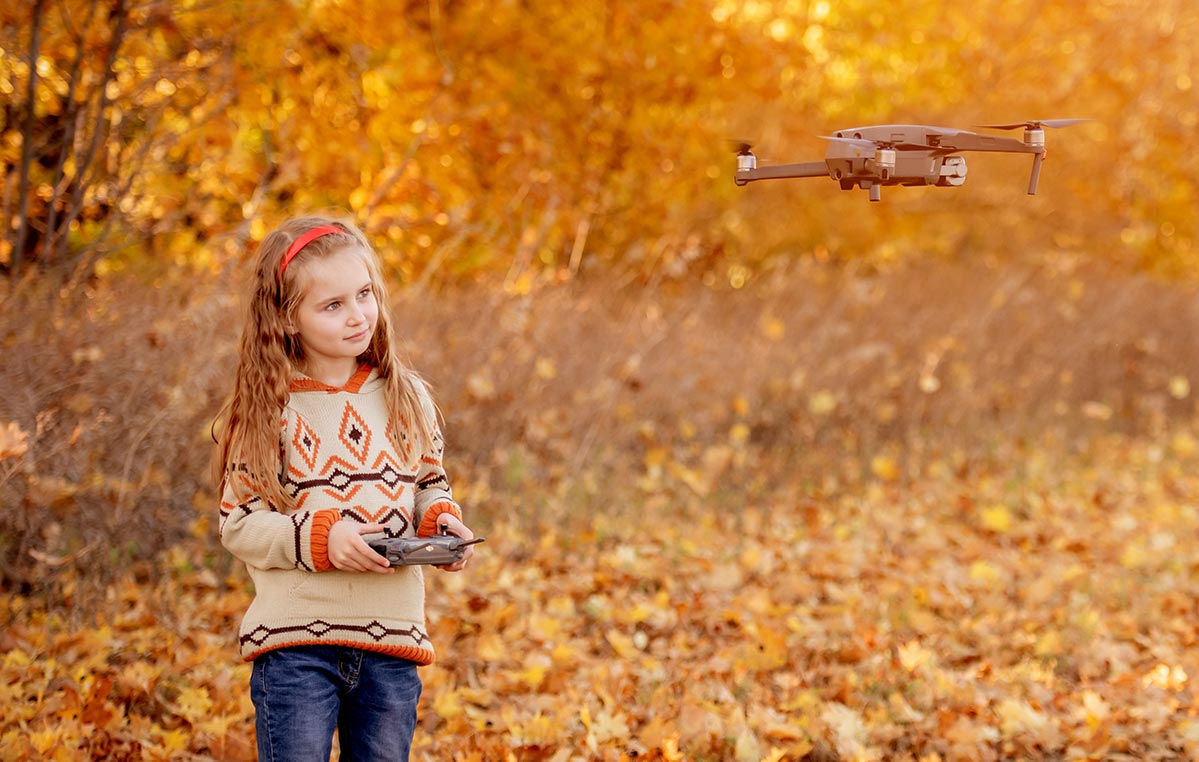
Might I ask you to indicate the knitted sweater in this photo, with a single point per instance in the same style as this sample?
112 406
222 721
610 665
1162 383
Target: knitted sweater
339 464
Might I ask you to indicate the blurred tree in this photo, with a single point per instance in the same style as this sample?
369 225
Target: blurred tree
508 138
96 91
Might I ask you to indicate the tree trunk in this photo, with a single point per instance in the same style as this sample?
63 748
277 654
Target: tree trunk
35 44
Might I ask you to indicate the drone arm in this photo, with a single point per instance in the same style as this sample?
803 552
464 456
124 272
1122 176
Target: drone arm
984 143
783 171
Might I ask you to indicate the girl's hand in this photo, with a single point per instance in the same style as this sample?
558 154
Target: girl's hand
349 552
455 527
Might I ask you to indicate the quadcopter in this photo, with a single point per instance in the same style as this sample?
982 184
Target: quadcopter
903 154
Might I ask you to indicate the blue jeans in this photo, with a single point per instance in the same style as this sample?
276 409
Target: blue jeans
301 694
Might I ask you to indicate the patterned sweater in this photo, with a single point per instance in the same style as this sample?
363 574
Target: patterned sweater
339 464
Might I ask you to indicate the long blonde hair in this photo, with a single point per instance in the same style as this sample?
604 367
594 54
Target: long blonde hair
270 356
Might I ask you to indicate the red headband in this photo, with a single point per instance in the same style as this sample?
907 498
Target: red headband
298 244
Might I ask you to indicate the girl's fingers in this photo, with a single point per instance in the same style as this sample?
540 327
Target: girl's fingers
369 559
354 554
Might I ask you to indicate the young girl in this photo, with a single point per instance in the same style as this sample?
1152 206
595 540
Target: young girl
330 438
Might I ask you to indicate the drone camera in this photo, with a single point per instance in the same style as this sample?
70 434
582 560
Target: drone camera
884 159
953 171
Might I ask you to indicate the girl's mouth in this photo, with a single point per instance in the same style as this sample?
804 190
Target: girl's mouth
360 335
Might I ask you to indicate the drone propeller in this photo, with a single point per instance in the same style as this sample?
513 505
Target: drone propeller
740 147
1034 138
1035 124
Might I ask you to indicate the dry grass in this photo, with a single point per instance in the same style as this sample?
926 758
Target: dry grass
560 399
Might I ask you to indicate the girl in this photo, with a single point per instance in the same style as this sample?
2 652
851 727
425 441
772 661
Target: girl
330 438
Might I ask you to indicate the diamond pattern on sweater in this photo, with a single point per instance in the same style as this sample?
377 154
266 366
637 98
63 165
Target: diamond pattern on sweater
306 443
342 480
384 515
319 628
355 434
391 478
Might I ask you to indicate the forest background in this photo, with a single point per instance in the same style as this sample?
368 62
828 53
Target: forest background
766 473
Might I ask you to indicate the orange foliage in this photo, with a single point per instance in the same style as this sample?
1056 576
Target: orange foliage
916 533
501 138
761 510
888 623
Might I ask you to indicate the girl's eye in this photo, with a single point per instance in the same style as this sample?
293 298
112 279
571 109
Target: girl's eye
364 293
331 306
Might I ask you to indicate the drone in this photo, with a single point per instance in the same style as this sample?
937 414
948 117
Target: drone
903 154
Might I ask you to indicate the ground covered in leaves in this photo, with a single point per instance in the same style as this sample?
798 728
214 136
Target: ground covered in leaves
1036 602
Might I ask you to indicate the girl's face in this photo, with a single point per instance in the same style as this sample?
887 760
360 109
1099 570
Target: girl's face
337 315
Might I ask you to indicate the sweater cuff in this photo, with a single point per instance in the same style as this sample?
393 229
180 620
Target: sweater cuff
322 522
428 525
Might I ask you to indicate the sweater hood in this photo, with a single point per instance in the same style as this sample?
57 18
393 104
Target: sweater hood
364 381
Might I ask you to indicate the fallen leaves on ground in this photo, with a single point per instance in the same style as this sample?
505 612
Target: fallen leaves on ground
1035 605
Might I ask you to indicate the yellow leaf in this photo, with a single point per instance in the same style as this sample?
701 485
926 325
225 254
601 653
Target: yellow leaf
772 328
1018 716
1166 677
447 704
480 386
12 441
1048 644
257 229
1134 556
218 726
1183 445
739 433
1095 710
194 704
622 644
656 456
522 285
491 646
884 468
43 740
543 628
912 655
533 676
849 733
984 571
670 750
609 725
901 710
1180 387
768 650
822 403
747 748
545 368
997 518
175 740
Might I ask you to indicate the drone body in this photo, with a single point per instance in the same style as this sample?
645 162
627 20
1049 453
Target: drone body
903 154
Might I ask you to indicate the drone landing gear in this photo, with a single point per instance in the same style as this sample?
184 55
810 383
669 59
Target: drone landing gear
1037 158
